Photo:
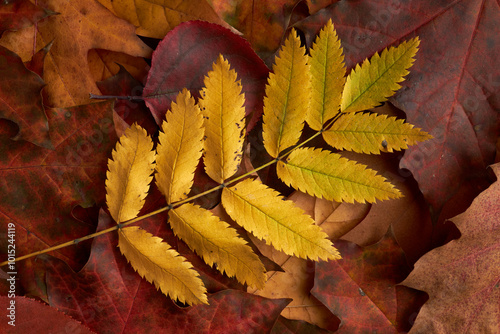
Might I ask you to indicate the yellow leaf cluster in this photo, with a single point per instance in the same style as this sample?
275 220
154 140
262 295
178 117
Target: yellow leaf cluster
322 173
301 88
127 184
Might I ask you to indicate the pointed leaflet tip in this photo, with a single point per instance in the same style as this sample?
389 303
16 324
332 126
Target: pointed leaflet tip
288 94
129 174
222 105
327 77
180 148
378 79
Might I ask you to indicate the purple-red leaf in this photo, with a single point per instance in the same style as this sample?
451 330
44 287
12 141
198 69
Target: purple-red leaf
186 54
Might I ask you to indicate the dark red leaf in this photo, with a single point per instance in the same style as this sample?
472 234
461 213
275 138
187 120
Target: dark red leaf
40 187
31 316
453 85
21 100
361 287
287 326
230 311
18 14
410 302
109 297
185 56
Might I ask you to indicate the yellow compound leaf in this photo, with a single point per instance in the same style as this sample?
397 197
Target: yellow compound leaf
262 211
154 18
129 174
328 175
158 263
180 148
328 77
218 243
222 106
372 133
288 95
376 80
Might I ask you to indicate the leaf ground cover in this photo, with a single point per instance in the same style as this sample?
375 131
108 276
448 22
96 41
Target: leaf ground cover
56 153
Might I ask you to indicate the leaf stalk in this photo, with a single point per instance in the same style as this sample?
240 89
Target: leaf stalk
168 207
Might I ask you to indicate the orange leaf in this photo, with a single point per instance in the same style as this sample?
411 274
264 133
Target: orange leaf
261 22
79 27
104 63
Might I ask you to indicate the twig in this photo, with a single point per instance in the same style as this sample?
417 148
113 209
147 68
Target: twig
170 206
107 97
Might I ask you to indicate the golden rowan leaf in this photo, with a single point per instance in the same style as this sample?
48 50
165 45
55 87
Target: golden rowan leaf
222 106
216 242
180 148
158 263
372 133
328 77
265 213
328 175
288 95
376 80
129 174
